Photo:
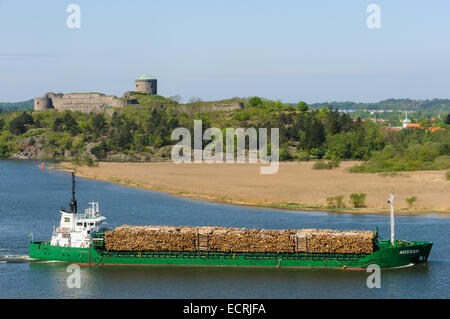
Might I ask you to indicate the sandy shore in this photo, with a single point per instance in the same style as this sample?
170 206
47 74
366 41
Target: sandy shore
295 186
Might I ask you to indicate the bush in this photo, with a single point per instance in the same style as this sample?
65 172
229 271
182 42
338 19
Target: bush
336 202
358 200
322 165
255 101
429 156
303 156
339 201
330 202
285 155
326 165
83 159
411 201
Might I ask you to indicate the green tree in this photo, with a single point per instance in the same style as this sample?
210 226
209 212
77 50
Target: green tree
19 125
314 135
410 201
255 101
98 123
302 106
100 151
358 200
66 123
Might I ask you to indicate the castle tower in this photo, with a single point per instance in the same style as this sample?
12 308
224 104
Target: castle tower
45 102
146 84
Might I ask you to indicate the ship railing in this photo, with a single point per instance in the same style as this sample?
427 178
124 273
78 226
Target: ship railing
230 255
88 214
63 230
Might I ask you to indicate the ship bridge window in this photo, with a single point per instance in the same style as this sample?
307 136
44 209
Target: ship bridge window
79 224
91 224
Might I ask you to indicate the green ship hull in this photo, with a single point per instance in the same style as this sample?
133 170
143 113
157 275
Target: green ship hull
401 254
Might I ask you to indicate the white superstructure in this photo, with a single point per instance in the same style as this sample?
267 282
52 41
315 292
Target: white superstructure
76 230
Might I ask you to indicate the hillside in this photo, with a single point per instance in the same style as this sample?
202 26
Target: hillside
435 105
7 106
144 134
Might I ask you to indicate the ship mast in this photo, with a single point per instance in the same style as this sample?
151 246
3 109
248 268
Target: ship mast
391 201
73 203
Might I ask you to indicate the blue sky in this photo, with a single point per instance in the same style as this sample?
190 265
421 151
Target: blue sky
290 50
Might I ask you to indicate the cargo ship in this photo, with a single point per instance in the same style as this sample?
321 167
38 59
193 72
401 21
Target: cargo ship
80 239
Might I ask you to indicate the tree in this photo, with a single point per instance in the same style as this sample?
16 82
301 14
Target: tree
98 123
411 201
323 112
302 106
447 119
426 123
100 151
58 125
66 124
176 98
255 101
18 125
315 135
358 200
195 99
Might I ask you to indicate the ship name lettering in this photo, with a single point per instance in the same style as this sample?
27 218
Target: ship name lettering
410 251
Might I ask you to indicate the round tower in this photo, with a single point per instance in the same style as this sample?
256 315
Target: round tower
42 103
146 84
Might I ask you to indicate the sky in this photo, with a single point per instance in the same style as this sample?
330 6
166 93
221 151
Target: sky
315 51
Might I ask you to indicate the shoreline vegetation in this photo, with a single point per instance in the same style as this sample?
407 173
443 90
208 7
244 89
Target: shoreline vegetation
329 160
241 184
144 133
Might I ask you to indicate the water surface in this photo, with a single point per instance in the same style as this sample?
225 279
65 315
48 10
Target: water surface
30 201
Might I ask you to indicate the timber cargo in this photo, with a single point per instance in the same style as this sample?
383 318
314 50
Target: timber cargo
238 240
83 239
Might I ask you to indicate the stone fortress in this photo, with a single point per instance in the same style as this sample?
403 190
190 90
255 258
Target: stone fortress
98 102
94 102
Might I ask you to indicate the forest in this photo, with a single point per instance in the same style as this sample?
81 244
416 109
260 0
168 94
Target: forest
143 134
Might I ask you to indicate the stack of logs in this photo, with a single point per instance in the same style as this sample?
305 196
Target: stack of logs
221 239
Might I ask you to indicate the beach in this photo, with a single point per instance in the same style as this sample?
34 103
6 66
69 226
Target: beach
296 185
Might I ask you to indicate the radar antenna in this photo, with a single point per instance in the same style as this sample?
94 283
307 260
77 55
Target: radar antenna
73 203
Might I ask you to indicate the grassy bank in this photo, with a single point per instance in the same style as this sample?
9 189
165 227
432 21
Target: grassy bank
241 184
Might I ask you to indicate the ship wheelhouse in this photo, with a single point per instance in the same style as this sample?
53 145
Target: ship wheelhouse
76 230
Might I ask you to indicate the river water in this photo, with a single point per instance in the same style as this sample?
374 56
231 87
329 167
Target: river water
30 201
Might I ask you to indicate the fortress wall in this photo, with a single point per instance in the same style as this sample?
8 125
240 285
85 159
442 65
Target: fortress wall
68 102
82 95
210 107
117 103
85 108
227 106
